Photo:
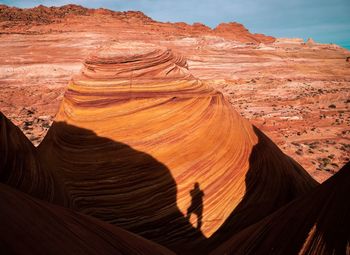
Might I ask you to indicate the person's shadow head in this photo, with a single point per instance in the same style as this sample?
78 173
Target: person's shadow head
196 186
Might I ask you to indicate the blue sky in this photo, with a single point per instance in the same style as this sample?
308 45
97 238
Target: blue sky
326 21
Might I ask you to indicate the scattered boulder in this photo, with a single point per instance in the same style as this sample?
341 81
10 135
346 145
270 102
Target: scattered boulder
310 41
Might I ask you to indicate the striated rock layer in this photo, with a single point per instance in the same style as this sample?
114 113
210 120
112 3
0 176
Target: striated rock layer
31 226
316 223
19 164
136 132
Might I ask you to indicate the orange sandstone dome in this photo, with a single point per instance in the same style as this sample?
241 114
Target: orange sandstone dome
135 133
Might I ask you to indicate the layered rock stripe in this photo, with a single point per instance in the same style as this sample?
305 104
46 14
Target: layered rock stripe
32 226
315 223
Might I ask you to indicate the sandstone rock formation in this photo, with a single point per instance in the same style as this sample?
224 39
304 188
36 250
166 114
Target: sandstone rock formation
136 132
145 147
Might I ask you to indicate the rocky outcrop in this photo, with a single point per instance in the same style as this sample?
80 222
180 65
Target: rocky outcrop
40 14
237 32
316 223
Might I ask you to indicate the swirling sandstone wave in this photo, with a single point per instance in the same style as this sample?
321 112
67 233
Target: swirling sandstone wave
136 131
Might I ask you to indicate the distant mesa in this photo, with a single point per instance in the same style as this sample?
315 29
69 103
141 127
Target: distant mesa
46 19
200 26
40 14
236 31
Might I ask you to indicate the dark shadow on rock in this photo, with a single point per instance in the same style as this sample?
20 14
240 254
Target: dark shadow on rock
29 226
315 223
272 180
19 164
118 184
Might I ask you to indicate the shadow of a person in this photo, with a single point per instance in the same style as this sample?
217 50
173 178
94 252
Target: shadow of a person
196 206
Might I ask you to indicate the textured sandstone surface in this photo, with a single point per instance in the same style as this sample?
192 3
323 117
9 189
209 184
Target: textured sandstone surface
26 218
313 220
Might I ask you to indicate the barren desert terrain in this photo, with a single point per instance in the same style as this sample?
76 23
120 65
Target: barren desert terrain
124 135
296 92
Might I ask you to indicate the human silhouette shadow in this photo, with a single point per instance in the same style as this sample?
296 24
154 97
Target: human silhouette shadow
196 206
113 182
